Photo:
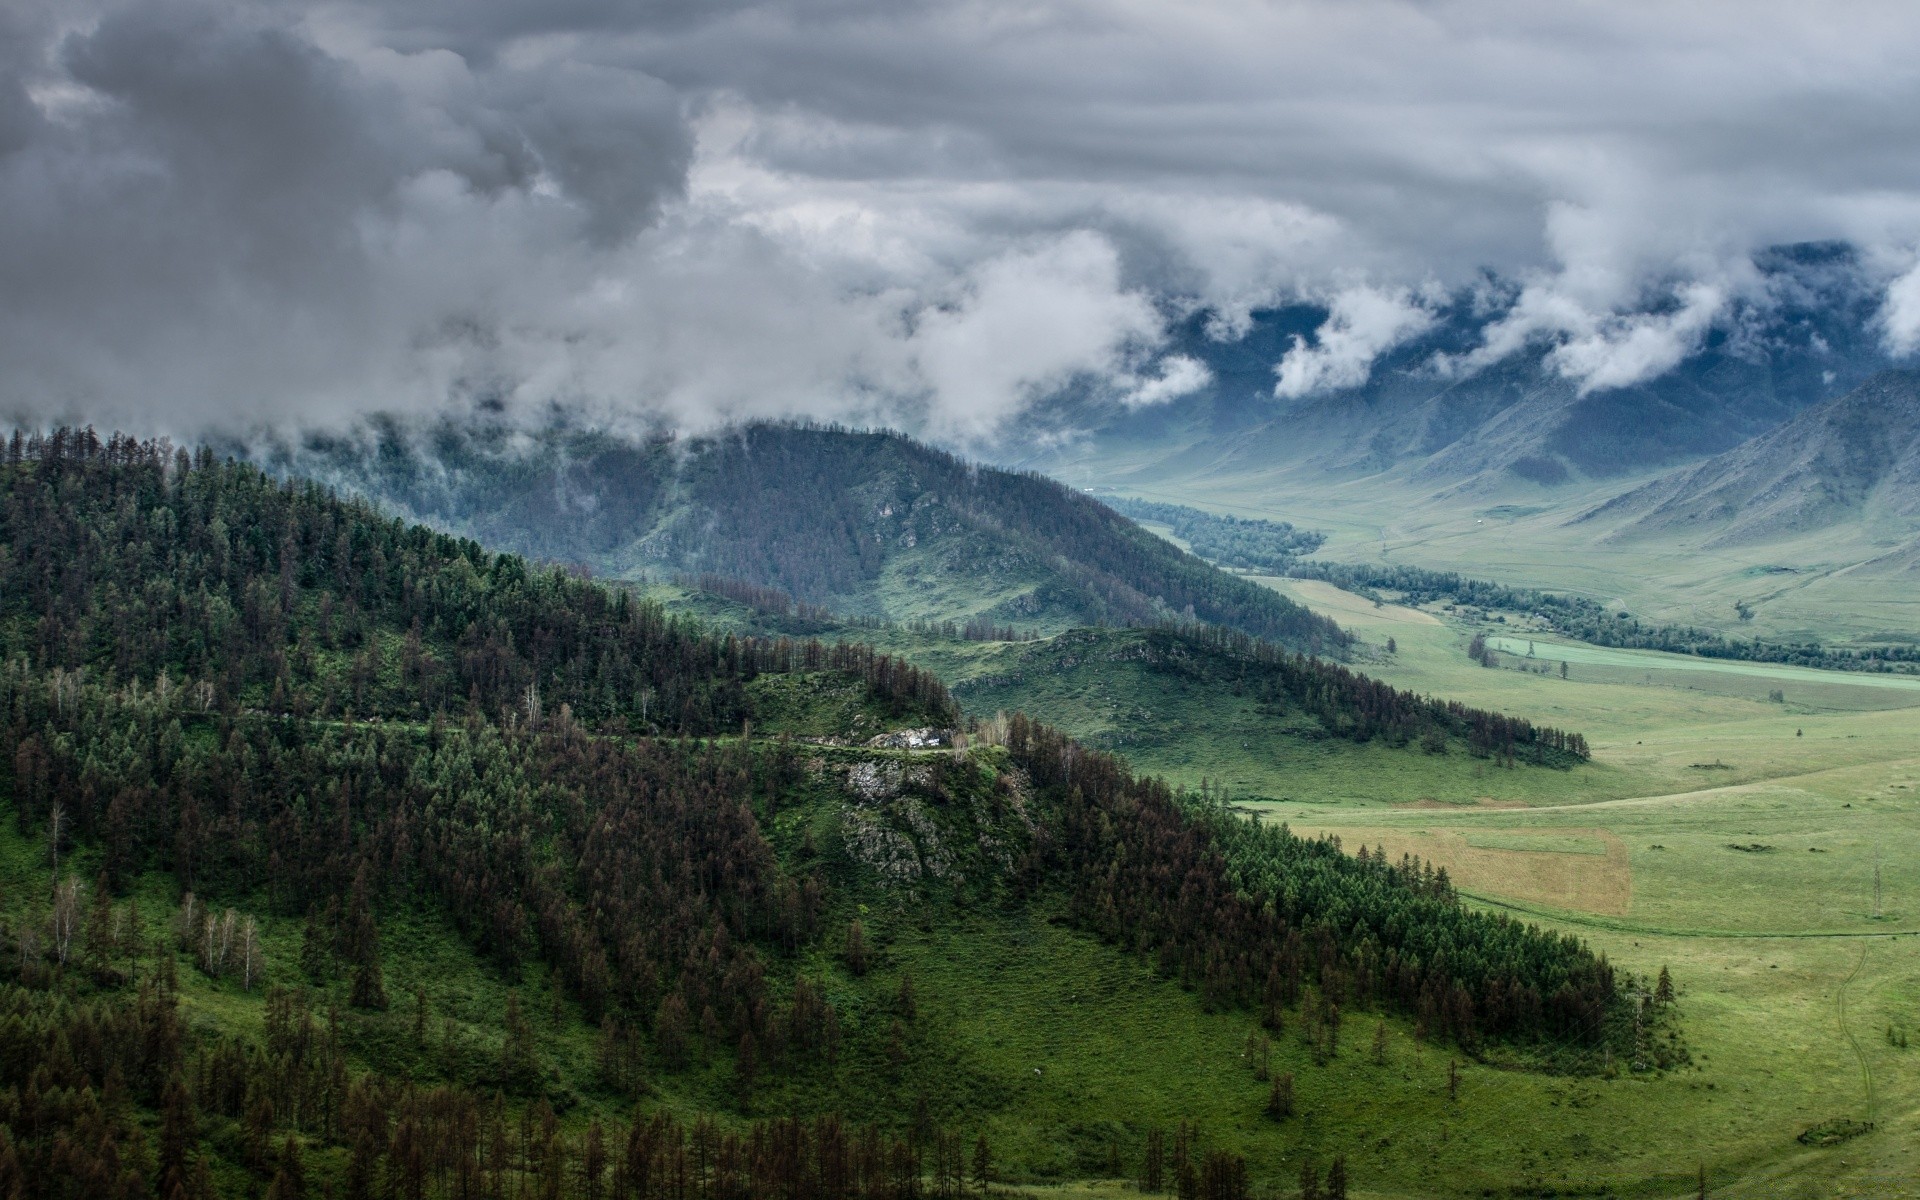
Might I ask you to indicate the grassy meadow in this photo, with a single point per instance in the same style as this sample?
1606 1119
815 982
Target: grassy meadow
1847 582
1731 837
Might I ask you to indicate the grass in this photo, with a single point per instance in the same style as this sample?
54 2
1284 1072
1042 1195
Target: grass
1630 852
1761 942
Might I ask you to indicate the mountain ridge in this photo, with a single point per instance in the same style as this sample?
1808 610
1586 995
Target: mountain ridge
1809 335
870 524
1855 458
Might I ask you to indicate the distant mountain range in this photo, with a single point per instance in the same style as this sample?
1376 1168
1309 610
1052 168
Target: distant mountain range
866 524
1519 421
1852 458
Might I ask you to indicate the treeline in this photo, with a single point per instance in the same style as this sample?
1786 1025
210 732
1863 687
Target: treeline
1255 917
147 563
1590 621
1252 544
1351 705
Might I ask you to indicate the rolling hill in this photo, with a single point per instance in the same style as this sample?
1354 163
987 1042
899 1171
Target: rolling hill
347 857
867 524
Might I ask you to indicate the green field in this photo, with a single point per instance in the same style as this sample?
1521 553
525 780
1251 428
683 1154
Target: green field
1748 834
1789 983
1838 584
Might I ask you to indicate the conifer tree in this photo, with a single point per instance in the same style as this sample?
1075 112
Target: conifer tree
856 952
289 1178
1337 1179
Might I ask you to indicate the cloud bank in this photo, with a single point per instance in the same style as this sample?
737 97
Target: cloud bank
931 214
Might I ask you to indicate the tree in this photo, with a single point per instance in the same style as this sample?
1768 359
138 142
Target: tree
290 1178
1153 1162
1393 647
982 1164
251 962
746 1066
1563 668
672 1025
98 930
1663 989
1280 1097
316 948
856 953
369 988
518 1067
1337 1178
64 922
1309 1181
1380 1044
179 1133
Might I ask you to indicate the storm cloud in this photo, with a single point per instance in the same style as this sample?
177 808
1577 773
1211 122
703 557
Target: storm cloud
925 214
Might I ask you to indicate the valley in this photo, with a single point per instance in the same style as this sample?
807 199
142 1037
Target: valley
992 936
1734 839
1721 833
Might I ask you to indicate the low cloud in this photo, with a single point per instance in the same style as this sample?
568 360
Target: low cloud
1179 375
1900 315
1362 324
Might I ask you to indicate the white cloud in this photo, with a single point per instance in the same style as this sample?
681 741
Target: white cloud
1026 323
1362 324
1619 351
1900 315
1180 375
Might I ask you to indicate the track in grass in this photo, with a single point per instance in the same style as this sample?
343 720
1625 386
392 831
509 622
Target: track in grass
1866 1072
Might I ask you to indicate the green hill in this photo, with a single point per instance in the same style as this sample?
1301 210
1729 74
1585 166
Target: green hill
868 524
350 858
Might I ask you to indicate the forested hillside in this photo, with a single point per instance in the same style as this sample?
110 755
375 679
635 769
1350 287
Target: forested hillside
869 524
350 859
1250 544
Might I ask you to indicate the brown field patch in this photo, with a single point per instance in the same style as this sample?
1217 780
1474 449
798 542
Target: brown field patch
1583 882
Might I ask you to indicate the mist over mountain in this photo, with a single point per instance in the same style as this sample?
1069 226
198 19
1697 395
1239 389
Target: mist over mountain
1302 387
867 524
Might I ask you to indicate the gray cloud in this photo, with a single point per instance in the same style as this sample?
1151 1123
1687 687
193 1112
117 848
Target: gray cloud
916 212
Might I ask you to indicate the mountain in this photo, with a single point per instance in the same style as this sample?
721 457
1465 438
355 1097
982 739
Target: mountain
346 857
1811 335
1854 459
867 524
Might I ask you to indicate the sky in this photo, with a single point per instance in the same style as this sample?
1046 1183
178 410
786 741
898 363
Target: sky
931 215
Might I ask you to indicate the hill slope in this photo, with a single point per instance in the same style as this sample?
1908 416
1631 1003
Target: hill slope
395 888
1853 458
869 524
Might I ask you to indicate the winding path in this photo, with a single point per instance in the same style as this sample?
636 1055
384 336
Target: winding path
1866 1073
